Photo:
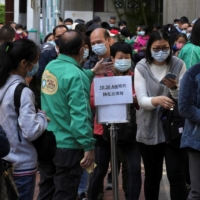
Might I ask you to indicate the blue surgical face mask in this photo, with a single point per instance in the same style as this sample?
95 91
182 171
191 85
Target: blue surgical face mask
141 33
33 71
112 25
86 53
122 65
52 42
160 56
99 49
184 31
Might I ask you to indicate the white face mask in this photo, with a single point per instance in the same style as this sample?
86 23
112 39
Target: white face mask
99 49
122 65
86 53
141 33
69 27
19 32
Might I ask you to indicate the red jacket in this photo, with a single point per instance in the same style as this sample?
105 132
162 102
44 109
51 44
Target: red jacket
20 36
98 128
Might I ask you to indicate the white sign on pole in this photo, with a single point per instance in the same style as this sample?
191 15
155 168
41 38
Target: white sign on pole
113 90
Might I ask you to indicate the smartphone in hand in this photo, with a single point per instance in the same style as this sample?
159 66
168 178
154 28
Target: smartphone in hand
168 76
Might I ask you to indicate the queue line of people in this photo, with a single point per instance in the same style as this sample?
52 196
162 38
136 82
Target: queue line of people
68 62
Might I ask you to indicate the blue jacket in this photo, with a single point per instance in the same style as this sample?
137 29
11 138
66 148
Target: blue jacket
45 58
189 107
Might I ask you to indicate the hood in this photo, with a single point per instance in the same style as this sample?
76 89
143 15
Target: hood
12 79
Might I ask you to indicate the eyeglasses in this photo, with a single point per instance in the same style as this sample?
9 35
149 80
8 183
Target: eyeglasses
165 49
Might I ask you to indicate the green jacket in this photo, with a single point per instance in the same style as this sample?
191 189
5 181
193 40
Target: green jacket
190 54
65 98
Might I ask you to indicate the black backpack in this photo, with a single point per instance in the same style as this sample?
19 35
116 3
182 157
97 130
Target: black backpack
173 125
45 145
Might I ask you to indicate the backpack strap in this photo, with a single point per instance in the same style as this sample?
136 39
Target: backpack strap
17 97
17 101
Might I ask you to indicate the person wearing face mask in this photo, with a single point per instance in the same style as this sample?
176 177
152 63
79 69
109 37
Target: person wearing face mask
121 53
181 40
190 53
184 28
152 96
20 33
18 60
50 54
68 23
122 24
140 43
65 90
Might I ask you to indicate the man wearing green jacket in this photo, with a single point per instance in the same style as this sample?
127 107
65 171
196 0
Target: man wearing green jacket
65 98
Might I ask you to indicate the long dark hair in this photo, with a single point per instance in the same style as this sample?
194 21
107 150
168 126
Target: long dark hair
155 36
195 39
12 53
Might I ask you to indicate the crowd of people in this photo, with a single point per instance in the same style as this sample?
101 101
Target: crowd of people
58 95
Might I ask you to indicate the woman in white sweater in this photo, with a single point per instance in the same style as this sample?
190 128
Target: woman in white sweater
152 96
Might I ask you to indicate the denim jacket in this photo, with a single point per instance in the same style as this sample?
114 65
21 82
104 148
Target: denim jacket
189 107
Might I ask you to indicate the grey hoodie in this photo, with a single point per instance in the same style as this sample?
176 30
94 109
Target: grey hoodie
29 124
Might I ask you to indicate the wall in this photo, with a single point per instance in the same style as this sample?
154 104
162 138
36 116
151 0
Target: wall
173 9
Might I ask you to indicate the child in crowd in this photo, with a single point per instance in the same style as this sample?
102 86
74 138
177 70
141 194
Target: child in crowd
180 41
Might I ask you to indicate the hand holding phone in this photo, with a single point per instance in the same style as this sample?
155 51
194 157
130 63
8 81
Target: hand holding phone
169 76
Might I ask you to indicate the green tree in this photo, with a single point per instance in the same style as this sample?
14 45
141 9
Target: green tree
2 13
139 12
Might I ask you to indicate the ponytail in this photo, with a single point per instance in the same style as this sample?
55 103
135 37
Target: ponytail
11 54
5 62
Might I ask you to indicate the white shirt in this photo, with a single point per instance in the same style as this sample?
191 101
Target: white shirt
159 73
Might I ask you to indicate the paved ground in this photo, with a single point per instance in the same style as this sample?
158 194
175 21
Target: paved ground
164 189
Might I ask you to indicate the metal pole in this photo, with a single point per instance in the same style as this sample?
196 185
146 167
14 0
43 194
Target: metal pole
114 163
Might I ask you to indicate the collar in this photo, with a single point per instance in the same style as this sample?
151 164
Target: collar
68 59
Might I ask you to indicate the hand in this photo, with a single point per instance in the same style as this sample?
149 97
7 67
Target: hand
102 67
170 83
88 159
42 111
163 101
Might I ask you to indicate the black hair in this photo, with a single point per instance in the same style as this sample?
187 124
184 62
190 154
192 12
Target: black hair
155 36
145 29
113 17
195 39
1 23
79 21
120 46
12 53
157 26
182 35
80 28
105 25
176 20
69 20
122 22
18 26
138 26
183 20
71 45
59 26
46 38
60 19
7 33
89 23
125 32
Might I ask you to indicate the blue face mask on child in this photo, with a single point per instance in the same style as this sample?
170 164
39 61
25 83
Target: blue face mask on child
33 71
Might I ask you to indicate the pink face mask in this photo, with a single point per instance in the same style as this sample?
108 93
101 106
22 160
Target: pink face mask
179 45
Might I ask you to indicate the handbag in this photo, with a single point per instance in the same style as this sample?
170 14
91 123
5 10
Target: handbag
8 190
173 125
45 144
